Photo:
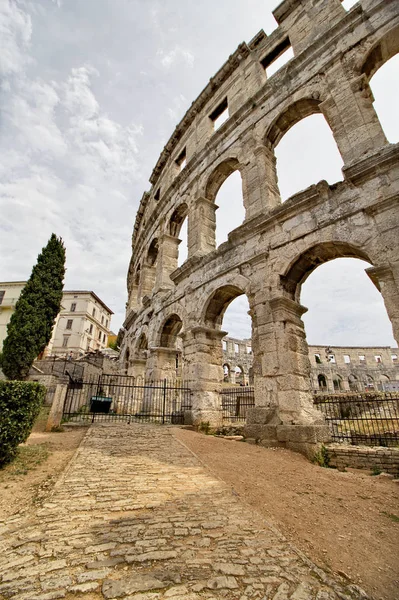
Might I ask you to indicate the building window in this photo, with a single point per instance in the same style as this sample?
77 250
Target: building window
249 350
102 319
65 341
91 328
394 358
224 345
2 292
331 358
99 335
347 359
73 306
94 312
280 55
69 324
317 358
104 336
106 323
181 160
378 358
220 114
362 359
236 349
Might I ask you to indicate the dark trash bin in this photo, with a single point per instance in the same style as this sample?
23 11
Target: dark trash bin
100 404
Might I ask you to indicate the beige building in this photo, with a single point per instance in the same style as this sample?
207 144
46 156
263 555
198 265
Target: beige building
9 294
82 325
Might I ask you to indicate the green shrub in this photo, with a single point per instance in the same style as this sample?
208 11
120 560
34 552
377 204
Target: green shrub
20 403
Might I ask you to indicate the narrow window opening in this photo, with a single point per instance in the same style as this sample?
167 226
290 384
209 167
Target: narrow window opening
362 358
331 358
278 57
317 358
157 195
181 160
224 345
73 306
384 85
220 115
378 358
394 358
347 4
347 359
236 349
69 324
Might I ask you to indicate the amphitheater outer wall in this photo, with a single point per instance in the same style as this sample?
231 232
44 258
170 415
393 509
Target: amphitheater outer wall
179 310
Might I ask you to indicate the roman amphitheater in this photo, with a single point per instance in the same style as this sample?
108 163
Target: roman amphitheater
174 314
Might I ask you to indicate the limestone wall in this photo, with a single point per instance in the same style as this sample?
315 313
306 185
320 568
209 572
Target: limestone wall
360 457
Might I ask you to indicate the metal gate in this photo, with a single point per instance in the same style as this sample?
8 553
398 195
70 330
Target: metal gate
122 397
235 403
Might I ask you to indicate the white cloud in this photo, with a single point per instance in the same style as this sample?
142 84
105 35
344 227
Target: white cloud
178 54
15 35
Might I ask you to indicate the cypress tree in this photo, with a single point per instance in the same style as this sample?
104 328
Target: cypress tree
30 327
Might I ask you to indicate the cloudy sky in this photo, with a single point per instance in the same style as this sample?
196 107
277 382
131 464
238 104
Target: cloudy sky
90 91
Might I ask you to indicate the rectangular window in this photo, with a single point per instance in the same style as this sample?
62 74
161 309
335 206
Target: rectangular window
331 358
2 292
91 328
99 335
94 312
157 195
394 358
104 337
220 114
65 341
347 359
106 324
362 358
73 306
224 345
102 319
317 358
378 358
69 324
236 348
249 350
181 160
278 57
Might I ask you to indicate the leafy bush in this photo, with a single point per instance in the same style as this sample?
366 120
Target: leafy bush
20 403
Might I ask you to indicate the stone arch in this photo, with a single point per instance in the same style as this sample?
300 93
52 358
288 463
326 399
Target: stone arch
337 382
353 383
217 304
384 49
322 381
152 253
169 330
295 112
302 266
177 219
240 376
219 175
226 373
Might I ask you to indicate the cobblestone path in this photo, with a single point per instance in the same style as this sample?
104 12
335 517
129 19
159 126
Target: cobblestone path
136 516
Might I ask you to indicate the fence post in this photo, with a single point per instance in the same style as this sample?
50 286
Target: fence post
57 407
164 401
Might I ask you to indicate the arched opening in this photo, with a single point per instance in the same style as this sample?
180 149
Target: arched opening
169 332
239 375
353 383
385 87
306 155
224 187
369 383
384 383
226 373
152 254
218 304
322 382
344 306
337 383
178 229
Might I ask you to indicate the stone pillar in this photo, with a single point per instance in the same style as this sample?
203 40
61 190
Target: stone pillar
202 228
260 189
385 281
57 407
167 261
161 363
147 281
350 113
133 302
203 360
284 412
139 368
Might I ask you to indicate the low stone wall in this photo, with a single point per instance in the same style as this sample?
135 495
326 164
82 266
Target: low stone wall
361 457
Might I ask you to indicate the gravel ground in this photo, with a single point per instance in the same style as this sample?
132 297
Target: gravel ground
346 522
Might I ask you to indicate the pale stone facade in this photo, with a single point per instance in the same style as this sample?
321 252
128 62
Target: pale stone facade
279 244
82 325
333 368
9 294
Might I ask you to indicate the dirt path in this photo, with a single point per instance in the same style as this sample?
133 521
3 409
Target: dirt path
342 521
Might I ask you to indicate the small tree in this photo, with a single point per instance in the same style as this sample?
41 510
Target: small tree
30 327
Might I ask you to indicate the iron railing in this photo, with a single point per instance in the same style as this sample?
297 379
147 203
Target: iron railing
369 419
235 403
121 397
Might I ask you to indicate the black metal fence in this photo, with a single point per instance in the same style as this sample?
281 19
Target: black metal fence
368 419
235 403
121 397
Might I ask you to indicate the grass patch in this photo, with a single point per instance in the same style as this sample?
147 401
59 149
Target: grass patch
27 459
391 516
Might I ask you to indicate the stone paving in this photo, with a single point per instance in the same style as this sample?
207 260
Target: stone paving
136 516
